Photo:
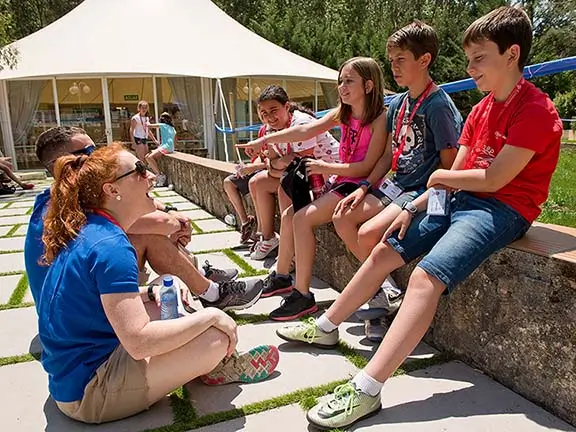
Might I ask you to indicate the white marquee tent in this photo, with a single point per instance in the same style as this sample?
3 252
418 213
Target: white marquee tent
121 38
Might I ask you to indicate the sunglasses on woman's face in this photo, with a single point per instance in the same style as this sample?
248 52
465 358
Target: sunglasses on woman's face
139 168
88 150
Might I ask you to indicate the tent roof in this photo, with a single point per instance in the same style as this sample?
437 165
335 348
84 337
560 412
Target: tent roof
154 37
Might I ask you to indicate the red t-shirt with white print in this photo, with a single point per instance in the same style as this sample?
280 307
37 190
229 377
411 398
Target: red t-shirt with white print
529 121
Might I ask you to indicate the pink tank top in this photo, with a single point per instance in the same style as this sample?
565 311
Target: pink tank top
353 146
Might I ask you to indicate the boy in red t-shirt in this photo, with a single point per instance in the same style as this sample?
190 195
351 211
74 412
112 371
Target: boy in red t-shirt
509 150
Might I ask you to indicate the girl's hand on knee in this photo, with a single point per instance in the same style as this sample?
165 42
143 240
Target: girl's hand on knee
228 326
402 222
351 201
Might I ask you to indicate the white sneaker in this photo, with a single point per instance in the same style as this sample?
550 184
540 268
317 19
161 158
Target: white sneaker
264 247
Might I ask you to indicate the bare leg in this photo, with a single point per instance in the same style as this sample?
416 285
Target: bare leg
286 246
151 159
409 326
12 176
305 220
367 280
236 200
346 223
264 187
165 258
141 151
371 232
169 371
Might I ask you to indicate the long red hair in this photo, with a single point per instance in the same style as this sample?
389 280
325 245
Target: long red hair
77 188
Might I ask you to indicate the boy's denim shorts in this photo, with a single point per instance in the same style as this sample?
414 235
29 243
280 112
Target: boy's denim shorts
457 244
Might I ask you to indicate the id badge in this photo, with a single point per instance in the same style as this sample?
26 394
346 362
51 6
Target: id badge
438 202
390 189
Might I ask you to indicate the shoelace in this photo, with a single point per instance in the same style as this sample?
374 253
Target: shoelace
343 396
292 297
237 287
311 327
209 269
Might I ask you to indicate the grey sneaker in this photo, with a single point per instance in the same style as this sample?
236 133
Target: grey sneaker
308 332
375 329
236 295
161 180
346 406
219 275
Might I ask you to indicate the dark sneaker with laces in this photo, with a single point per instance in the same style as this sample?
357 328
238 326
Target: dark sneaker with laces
276 285
247 230
294 306
236 295
219 275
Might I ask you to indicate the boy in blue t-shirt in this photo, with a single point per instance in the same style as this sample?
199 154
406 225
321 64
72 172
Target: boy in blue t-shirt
166 146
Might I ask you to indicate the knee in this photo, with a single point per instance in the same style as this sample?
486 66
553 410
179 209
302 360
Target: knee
367 237
341 221
217 347
380 252
300 218
228 185
287 215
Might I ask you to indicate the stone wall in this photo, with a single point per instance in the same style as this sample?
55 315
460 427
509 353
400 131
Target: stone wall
514 318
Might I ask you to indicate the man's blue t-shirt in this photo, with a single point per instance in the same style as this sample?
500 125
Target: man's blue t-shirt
75 333
34 248
167 135
436 126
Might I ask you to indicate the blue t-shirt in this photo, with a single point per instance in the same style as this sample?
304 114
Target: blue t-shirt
167 134
436 126
34 248
75 333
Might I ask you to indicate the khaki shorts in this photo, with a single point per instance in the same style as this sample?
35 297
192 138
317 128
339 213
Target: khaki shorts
118 390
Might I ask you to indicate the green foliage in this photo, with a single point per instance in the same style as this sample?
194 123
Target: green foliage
566 104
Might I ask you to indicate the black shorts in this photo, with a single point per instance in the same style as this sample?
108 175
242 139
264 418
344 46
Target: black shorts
142 141
241 183
343 189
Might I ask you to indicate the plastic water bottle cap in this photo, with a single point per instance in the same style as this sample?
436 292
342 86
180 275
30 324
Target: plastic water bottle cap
168 281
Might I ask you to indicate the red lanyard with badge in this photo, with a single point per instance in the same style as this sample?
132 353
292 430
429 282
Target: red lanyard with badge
388 187
482 135
107 216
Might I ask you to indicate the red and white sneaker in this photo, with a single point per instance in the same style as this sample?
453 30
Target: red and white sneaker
263 248
252 366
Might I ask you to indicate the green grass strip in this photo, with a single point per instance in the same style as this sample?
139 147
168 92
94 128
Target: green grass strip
10 215
11 273
351 355
18 306
8 204
25 358
156 194
197 229
248 319
213 232
15 228
11 251
182 408
204 218
20 291
30 210
247 269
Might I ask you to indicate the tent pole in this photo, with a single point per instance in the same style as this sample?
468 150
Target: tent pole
229 119
56 103
250 114
7 124
208 119
222 105
315 96
107 116
236 154
155 95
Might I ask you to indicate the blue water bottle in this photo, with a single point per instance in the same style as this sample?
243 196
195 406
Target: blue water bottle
168 299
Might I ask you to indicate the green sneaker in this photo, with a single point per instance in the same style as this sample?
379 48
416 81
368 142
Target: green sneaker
308 332
344 407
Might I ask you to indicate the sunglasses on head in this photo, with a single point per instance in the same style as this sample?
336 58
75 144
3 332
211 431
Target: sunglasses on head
88 150
139 168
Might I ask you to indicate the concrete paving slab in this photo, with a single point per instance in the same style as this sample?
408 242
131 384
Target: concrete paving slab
11 243
197 214
28 296
290 418
22 205
213 241
453 397
22 230
18 331
175 199
5 230
12 211
265 264
13 220
7 286
25 406
12 262
297 369
213 225
166 193
217 260
184 206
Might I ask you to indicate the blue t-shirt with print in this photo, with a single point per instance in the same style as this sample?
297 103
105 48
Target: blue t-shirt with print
34 248
167 135
75 333
435 127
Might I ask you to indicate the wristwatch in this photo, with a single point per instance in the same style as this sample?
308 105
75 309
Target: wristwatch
364 183
410 208
151 296
169 208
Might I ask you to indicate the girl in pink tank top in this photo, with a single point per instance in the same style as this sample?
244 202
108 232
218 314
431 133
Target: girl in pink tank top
362 118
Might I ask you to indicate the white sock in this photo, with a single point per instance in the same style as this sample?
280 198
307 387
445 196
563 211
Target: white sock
202 272
325 324
212 293
367 384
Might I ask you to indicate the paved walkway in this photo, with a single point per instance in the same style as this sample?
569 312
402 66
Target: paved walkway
429 393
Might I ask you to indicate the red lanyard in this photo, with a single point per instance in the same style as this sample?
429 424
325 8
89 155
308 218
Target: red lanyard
348 153
399 123
481 136
107 216
142 123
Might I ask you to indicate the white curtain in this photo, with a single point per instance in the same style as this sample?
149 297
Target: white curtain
24 97
187 92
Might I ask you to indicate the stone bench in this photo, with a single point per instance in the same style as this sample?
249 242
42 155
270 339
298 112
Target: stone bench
514 317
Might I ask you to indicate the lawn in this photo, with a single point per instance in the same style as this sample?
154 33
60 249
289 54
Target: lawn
560 208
